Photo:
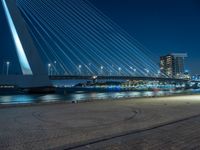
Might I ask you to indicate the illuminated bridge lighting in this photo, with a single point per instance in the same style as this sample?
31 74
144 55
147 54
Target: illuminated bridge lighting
26 70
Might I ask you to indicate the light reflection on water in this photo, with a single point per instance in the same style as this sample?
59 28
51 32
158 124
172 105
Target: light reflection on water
80 96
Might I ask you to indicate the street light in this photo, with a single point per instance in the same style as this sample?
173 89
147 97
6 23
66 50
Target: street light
94 78
55 67
147 71
79 68
134 70
102 70
119 69
131 68
159 72
7 67
49 69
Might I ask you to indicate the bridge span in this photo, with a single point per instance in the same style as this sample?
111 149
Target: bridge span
67 77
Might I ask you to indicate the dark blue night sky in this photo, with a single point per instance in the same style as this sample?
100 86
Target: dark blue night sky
163 26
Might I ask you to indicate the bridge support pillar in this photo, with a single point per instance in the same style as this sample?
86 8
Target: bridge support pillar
33 70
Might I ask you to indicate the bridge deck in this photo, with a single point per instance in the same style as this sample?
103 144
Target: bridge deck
116 78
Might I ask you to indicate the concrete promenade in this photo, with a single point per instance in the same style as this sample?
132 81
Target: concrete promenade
149 123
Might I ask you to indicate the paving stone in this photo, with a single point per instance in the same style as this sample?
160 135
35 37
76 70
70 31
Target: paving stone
153 123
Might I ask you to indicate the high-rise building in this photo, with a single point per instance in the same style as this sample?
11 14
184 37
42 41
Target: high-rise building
173 65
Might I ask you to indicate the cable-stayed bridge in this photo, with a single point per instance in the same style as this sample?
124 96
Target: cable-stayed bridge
77 39
74 39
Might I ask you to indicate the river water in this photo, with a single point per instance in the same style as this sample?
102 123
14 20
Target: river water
81 96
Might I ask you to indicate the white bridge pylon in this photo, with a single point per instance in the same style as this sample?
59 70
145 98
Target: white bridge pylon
33 70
